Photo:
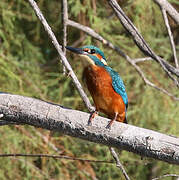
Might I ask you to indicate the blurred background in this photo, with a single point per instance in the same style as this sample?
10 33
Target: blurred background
29 66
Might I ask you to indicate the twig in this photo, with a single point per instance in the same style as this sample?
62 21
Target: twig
55 157
140 42
141 59
61 54
118 163
166 175
64 23
170 35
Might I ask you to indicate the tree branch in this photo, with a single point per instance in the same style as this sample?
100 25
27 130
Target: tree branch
140 42
118 163
49 116
61 54
141 59
64 23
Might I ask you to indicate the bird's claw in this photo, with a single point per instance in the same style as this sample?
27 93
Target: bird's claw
89 123
92 116
108 126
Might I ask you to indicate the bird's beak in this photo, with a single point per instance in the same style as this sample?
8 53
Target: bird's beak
75 50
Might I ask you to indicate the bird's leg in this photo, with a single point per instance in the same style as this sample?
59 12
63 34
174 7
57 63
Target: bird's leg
92 116
110 123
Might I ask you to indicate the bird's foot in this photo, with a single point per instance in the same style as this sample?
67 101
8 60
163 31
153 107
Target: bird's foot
92 116
109 125
89 123
111 122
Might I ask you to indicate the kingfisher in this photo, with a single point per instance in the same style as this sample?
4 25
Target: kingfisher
104 84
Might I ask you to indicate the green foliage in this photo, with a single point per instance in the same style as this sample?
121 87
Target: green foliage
29 66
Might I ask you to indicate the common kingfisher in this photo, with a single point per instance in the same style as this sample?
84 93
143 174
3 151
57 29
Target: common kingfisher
104 84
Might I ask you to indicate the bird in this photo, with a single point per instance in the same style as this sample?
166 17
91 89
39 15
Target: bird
104 84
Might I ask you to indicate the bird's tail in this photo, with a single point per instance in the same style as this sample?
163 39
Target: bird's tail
125 120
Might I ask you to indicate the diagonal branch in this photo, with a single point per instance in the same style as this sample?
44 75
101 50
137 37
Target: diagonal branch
64 23
118 163
61 54
140 42
74 123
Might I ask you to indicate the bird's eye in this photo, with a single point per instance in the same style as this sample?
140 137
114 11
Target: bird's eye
93 51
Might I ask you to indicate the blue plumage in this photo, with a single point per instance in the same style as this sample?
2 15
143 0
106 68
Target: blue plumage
118 84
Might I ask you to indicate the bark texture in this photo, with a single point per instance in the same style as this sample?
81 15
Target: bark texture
74 123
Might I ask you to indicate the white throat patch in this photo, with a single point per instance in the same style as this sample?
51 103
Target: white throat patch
88 61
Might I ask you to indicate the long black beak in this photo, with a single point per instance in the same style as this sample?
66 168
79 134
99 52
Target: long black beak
75 50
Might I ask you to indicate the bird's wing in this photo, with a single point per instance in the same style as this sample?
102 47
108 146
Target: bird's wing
118 85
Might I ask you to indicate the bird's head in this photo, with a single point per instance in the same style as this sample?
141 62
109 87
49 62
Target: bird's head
90 55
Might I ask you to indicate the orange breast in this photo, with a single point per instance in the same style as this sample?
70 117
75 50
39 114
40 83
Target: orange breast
106 100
